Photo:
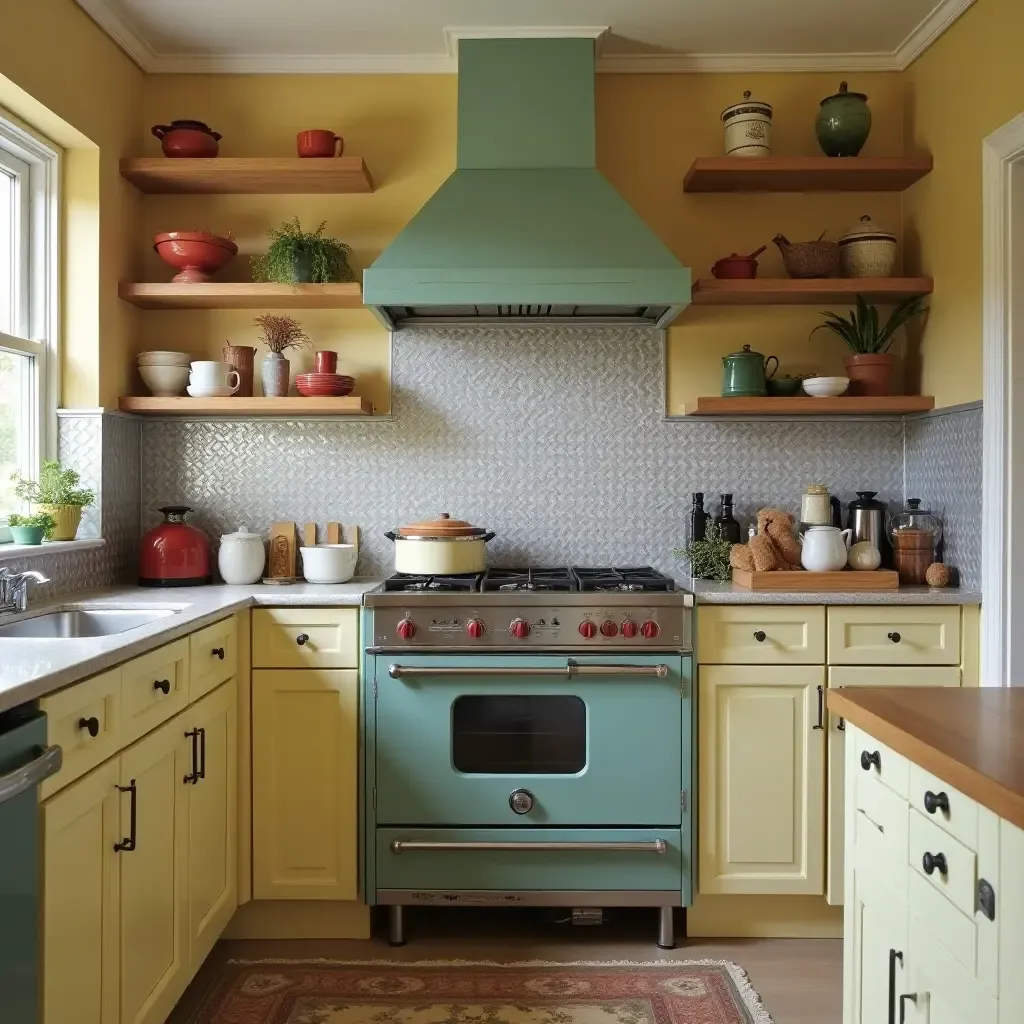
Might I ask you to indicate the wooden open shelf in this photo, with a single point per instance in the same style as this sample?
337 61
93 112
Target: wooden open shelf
804 405
805 174
785 291
350 405
244 295
243 175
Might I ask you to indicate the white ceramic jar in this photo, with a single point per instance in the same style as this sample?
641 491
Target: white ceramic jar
241 558
867 251
748 128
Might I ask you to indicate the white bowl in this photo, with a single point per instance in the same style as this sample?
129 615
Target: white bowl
163 359
329 563
826 387
210 390
164 381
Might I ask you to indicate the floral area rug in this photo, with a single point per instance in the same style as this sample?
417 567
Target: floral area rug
459 992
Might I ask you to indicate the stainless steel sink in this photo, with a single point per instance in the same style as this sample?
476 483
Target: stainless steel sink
83 622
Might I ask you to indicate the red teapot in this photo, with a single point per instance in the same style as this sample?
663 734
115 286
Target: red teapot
187 138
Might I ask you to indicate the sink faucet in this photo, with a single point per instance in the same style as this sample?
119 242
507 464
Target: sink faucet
14 588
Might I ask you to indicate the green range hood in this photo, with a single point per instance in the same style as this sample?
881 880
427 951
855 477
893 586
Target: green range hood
526 228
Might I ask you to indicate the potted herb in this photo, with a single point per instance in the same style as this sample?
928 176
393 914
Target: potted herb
296 256
278 333
709 558
870 366
58 495
30 529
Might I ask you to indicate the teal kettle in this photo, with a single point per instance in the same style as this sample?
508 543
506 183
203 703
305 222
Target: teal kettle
746 373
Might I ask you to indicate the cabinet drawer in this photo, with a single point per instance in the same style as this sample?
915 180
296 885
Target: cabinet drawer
153 688
954 930
72 716
959 881
876 760
761 634
931 796
894 675
894 635
213 655
880 838
305 638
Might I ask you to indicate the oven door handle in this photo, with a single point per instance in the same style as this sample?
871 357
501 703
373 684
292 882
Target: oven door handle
47 762
571 670
658 846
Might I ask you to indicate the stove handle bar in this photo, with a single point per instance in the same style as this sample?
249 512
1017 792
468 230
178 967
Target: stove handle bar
571 670
658 846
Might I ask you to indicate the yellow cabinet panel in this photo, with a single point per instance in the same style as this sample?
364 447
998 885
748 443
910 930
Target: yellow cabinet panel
305 638
80 901
154 688
154 878
755 634
305 735
762 773
213 657
894 635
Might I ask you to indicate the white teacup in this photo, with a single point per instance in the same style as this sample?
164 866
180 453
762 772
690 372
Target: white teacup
208 373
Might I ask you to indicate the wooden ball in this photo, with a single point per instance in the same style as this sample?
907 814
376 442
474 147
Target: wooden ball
937 575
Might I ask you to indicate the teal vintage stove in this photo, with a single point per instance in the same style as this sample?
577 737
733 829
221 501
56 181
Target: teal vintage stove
529 741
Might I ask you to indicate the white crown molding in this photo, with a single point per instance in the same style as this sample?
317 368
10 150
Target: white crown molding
723 63
302 64
930 28
452 35
110 20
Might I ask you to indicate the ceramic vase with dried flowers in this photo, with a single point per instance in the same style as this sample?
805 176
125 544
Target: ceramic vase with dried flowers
278 333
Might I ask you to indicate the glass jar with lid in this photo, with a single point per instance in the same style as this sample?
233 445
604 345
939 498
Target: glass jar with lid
915 536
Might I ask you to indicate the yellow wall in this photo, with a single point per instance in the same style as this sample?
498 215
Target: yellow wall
968 84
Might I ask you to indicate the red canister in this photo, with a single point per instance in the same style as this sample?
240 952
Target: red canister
175 553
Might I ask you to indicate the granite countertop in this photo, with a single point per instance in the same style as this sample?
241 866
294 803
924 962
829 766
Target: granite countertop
970 738
32 668
710 592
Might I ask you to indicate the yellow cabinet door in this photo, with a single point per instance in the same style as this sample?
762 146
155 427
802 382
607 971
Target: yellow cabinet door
305 799
212 821
154 879
80 901
762 778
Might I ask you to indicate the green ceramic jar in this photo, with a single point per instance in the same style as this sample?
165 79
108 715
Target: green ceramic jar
844 123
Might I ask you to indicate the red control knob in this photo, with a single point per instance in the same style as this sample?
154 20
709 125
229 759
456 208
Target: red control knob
629 629
609 628
650 629
588 629
406 629
519 628
475 628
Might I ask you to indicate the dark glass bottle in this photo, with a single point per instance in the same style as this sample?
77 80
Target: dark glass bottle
698 517
726 522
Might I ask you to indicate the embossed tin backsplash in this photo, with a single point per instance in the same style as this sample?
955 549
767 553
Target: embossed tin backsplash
554 438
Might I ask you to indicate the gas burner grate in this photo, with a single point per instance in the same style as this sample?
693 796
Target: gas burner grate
528 579
403 581
641 578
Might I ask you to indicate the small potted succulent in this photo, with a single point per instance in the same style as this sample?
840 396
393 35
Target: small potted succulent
58 495
302 257
870 366
278 333
30 529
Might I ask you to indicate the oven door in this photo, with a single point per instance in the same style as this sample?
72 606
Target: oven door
527 741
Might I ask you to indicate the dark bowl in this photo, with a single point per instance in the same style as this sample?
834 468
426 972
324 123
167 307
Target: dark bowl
784 386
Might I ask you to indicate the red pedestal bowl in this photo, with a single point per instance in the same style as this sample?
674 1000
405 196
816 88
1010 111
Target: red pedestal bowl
194 253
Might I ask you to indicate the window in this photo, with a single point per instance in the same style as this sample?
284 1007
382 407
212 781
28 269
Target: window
28 284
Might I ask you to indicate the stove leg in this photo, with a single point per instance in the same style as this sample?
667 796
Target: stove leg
666 928
396 925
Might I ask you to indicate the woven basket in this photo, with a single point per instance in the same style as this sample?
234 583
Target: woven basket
808 259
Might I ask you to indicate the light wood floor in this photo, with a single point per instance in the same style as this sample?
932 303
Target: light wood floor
799 980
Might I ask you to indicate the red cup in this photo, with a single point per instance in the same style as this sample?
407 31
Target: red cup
319 142
325 362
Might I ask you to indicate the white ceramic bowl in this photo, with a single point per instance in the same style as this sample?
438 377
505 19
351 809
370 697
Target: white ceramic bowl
210 390
163 359
164 381
329 563
826 387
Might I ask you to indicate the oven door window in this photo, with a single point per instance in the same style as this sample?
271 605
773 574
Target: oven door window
505 734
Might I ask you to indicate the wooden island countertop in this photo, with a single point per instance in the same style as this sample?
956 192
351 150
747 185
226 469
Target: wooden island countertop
971 738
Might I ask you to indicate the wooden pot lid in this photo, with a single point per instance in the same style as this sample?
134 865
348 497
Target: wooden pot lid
443 526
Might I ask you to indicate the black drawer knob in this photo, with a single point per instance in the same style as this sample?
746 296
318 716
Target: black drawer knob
932 862
218 652
302 639
760 636
894 637
869 758
90 725
936 802
163 685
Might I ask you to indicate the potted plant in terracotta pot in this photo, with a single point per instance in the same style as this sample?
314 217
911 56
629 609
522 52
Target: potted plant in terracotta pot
278 333
870 366
57 495
302 257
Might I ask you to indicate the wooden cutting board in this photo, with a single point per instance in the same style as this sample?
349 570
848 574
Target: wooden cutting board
282 550
801 580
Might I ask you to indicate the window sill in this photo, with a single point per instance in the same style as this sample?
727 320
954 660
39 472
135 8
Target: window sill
10 552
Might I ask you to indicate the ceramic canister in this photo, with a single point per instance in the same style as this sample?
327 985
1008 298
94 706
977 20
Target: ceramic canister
867 251
241 558
748 128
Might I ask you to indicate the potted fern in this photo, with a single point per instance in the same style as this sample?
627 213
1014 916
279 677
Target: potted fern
57 495
870 366
302 257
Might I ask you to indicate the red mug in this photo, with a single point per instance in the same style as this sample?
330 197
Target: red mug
319 142
325 362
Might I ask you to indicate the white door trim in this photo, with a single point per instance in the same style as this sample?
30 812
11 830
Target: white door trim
1003 459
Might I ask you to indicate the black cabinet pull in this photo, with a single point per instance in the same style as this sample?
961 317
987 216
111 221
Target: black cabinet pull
936 802
842 725
986 899
760 636
193 776
867 759
91 725
127 845
202 752
911 997
302 639
894 955
821 709
163 685
894 637
218 652
932 861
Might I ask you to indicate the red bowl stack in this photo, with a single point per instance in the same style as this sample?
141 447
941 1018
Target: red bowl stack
324 385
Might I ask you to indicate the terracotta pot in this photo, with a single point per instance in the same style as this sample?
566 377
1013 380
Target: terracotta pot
318 142
195 253
187 139
241 357
869 373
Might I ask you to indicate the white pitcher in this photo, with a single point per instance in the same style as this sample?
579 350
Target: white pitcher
824 548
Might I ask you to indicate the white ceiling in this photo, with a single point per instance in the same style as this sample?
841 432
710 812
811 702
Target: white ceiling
421 35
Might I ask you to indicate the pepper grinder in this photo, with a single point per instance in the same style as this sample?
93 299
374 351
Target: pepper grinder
698 517
725 521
